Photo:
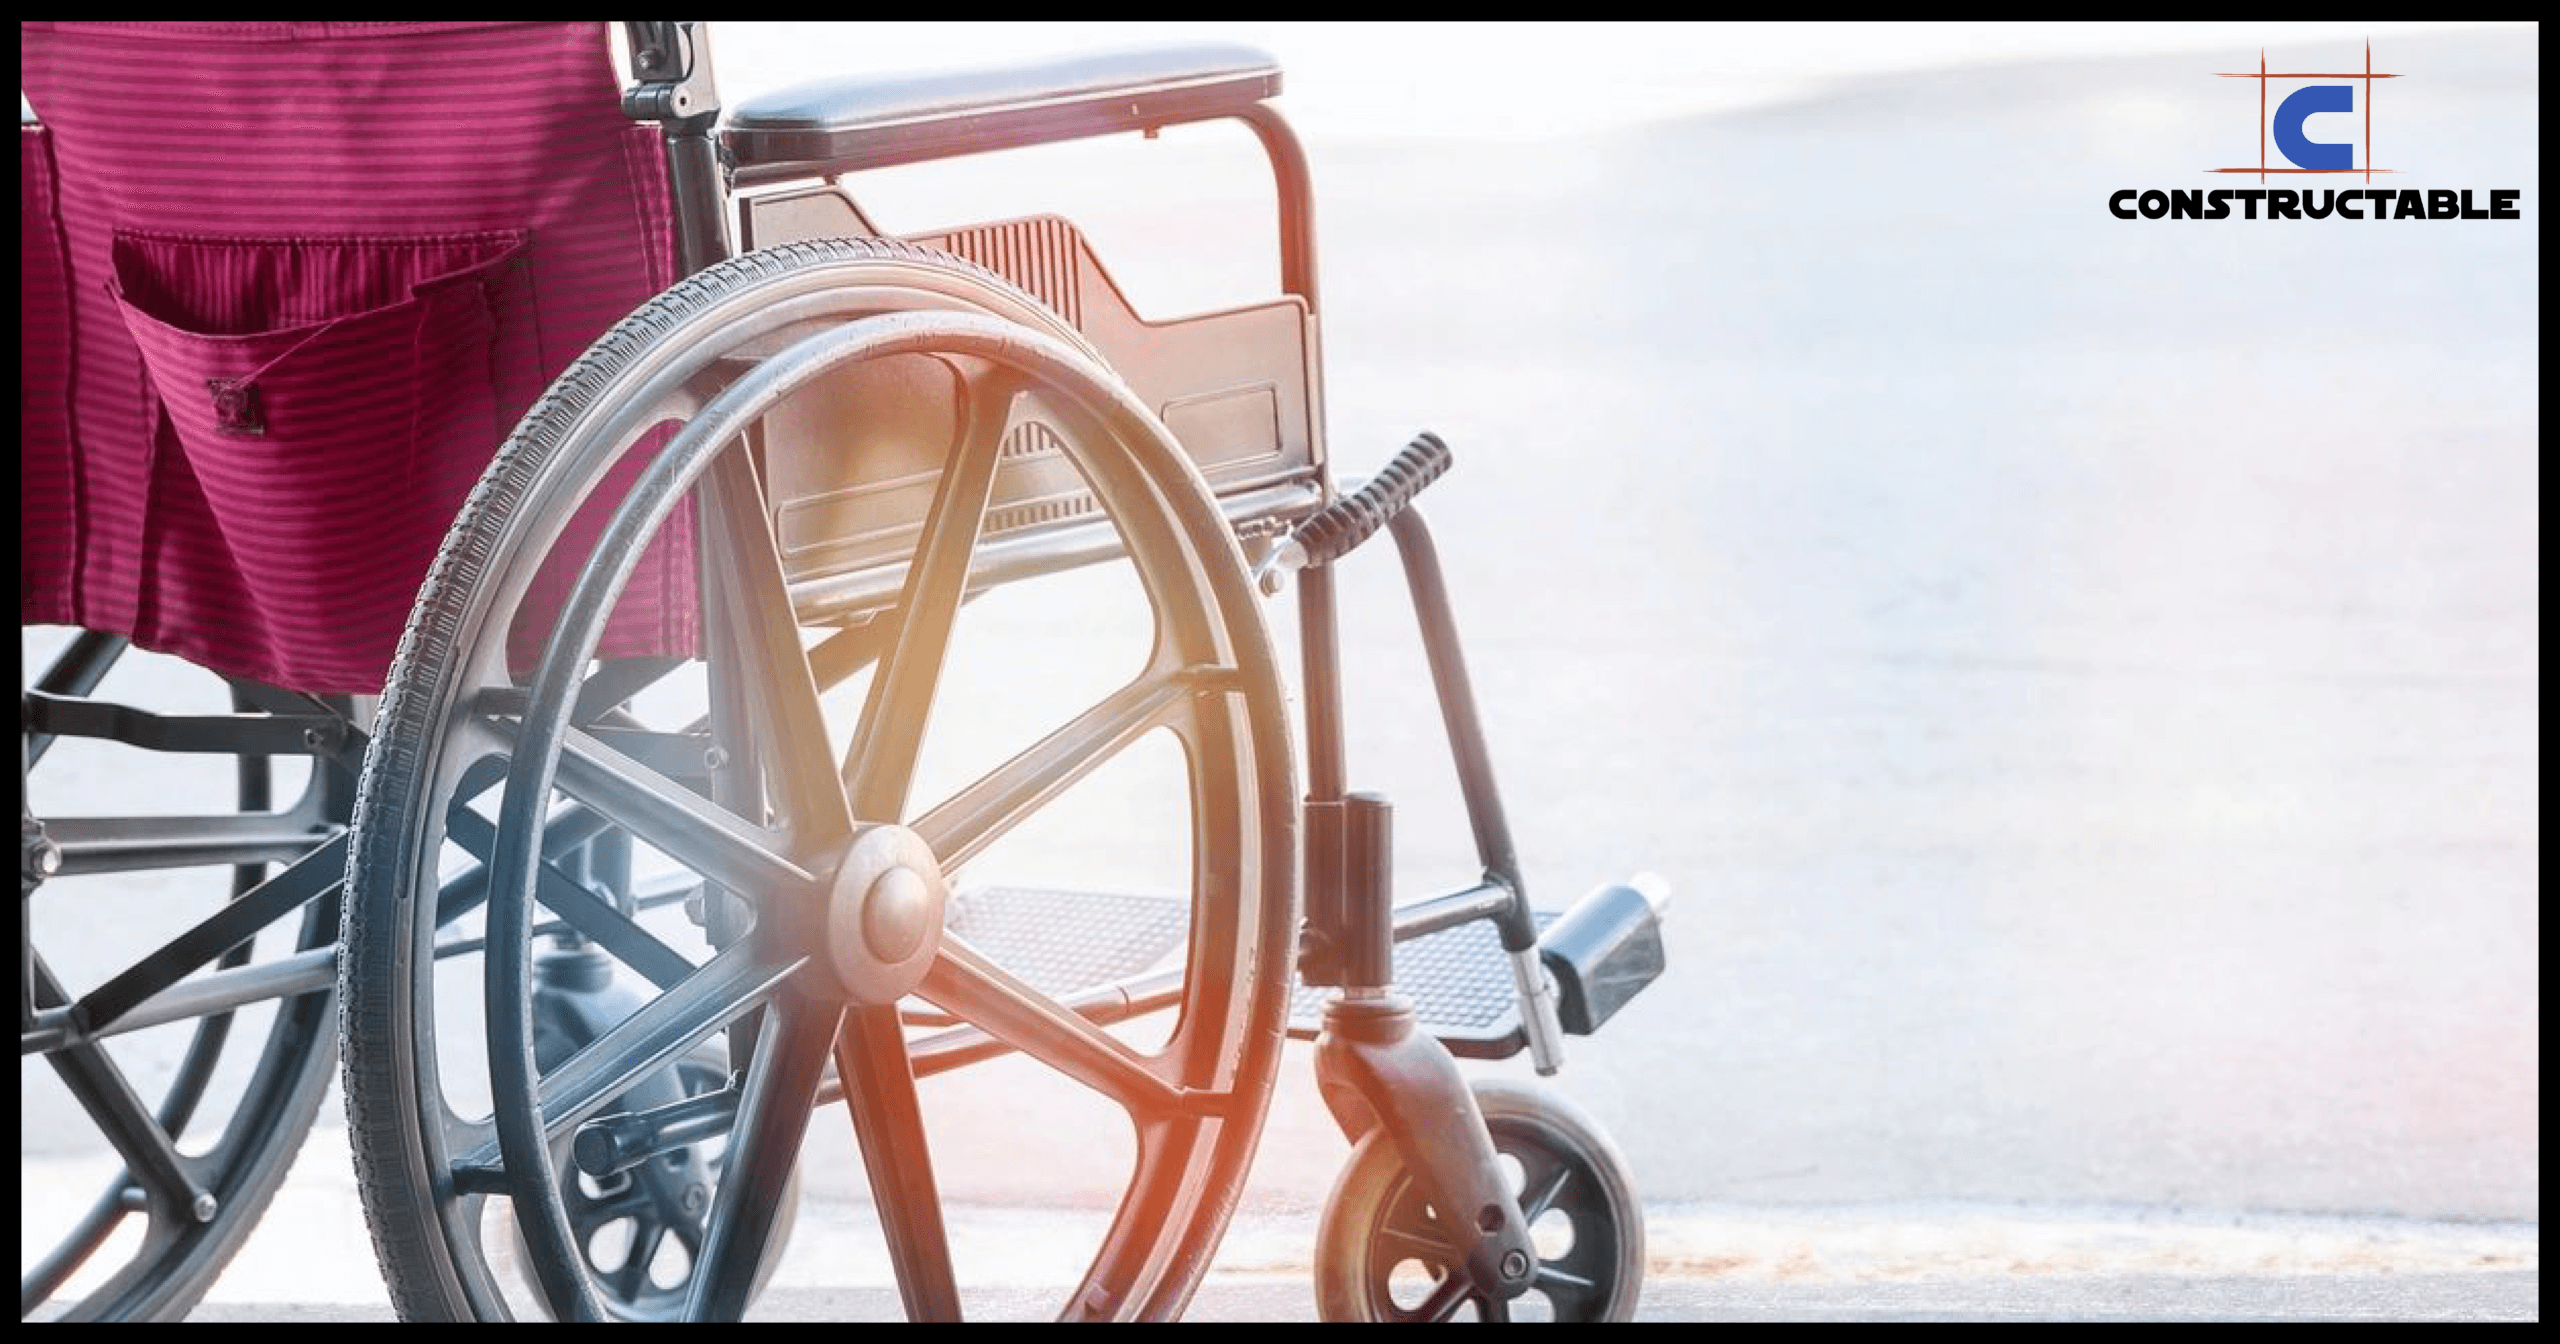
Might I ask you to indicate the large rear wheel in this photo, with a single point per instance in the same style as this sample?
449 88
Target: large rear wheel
803 846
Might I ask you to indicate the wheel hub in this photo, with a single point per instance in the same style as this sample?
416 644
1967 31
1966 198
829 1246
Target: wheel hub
884 914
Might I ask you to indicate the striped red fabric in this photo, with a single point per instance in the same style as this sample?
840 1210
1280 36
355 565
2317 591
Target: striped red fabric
284 288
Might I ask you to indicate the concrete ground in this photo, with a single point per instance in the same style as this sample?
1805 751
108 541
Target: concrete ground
1905 1262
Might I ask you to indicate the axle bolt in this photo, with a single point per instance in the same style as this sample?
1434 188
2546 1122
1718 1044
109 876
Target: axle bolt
894 914
1514 1265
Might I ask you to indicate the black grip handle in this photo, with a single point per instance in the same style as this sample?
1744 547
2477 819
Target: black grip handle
1356 517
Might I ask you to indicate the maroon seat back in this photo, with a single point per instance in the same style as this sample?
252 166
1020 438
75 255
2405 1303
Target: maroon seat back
285 287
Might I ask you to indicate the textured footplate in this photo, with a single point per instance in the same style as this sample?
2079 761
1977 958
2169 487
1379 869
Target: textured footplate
1461 987
1063 941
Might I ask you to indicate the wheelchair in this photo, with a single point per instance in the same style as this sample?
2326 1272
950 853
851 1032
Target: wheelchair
852 669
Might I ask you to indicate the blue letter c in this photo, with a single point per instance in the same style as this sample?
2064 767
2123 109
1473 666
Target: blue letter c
2301 103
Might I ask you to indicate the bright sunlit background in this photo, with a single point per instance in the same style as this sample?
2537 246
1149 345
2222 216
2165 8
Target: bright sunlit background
1506 81
2079 676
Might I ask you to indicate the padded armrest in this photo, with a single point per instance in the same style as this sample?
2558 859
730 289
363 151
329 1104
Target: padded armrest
854 122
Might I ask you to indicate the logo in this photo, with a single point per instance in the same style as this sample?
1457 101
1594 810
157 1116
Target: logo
2315 123
2299 105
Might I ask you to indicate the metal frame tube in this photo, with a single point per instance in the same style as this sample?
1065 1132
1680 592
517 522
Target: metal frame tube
1485 900
1297 200
77 670
1465 727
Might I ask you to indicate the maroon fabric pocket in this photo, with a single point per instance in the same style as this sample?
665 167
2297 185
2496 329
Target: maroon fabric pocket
48 477
329 401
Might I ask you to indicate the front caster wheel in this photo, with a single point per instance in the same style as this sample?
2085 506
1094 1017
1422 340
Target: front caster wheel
638 1230
1381 1254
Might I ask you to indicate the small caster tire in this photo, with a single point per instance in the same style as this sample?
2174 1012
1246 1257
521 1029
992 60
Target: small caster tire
1381 1254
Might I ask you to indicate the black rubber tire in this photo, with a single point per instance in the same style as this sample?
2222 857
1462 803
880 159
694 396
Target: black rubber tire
291 1055
1357 1255
425 1232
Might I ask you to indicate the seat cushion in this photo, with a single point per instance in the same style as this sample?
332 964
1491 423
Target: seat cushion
868 121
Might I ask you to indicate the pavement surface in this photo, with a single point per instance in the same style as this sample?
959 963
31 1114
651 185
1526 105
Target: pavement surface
311 1261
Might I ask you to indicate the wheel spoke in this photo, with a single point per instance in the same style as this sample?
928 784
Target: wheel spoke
563 832
850 650
881 762
790 732
633 1278
880 1091
1445 1299
661 1031
981 993
773 1116
1541 1195
978 815
149 1152
1420 1246
579 908
308 878
1552 1280
679 822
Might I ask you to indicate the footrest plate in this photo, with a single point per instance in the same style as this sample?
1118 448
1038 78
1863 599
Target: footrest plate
1064 941
1060 942
1459 980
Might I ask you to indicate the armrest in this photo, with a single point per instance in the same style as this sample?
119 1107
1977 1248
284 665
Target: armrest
853 122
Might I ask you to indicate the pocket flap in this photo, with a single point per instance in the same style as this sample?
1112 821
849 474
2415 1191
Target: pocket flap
225 287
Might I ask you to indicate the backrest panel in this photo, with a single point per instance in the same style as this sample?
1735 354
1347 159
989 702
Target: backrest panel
285 288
